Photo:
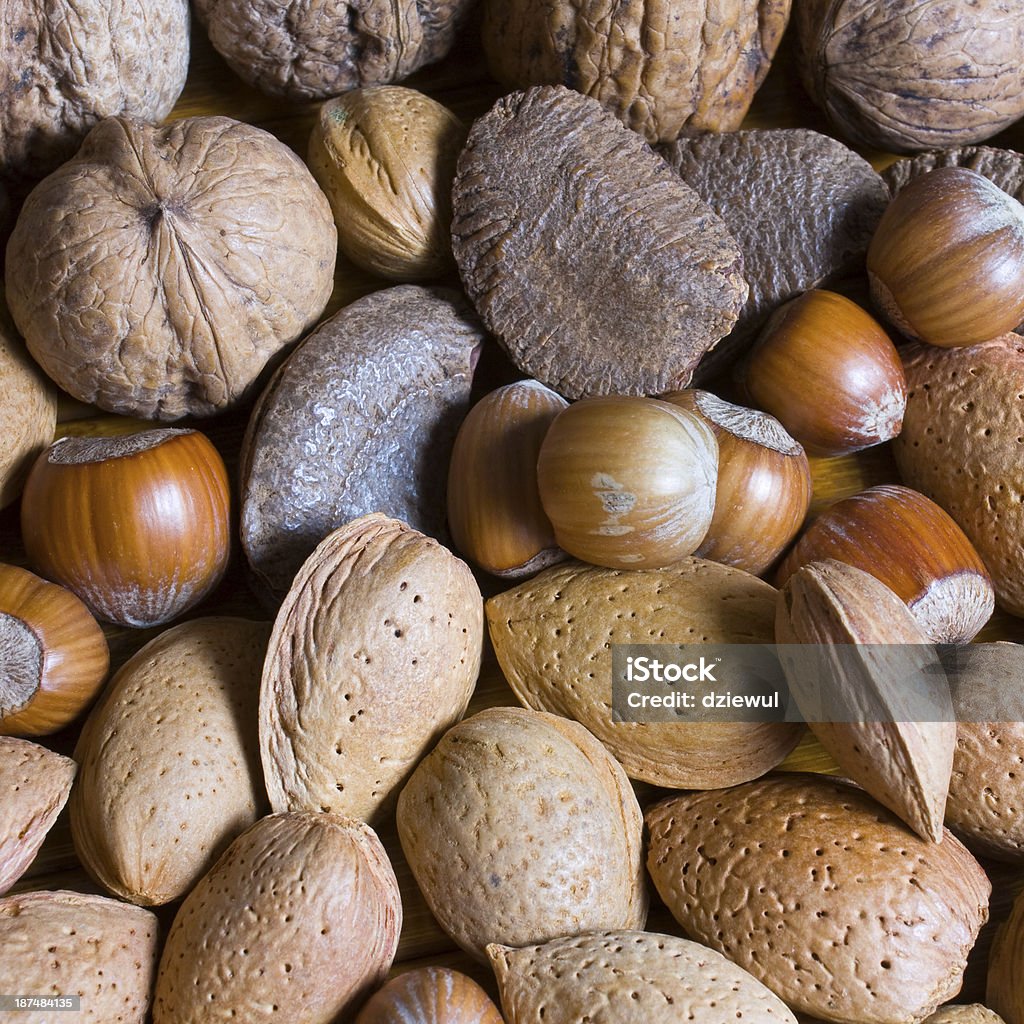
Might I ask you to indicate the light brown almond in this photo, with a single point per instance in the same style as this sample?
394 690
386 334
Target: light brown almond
967 1013
1004 991
822 894
612 977
872 688
295 924
552 637
170 762
68 944
374 654
34 786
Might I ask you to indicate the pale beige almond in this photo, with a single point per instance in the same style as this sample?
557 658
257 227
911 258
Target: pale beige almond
552 637
68 944
613 977
170 761
893 738
966 1013
520 827
374 654
34 786
295 924
822 894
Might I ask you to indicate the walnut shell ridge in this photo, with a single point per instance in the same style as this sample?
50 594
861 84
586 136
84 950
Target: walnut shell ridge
157 272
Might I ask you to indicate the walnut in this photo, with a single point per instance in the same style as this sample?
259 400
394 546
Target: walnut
308 51
663 67
157 272
67 64
907 75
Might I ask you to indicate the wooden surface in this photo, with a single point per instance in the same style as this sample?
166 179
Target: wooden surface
461 82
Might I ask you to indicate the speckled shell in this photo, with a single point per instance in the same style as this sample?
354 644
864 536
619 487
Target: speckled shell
613 977
960 447
28 408
430 995
519 827
295 924
822 894
34 786
968 1013
552 635
64 943
170 764
374 654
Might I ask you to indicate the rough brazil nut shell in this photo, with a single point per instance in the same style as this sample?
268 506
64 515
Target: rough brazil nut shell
67 944
311 51
295 924
157 272
170 762
595 266
965 412
35 784
374 654
552 638
361 418
67 64
801 206
661 66
512 804
1003 167
612 977
822 894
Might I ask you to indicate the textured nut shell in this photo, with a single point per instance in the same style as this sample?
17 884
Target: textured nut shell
374 655
296 922
170 764
611 977
385 157
431 995
35 784
959 446
360 419
801 206
578 246
28 409
986 791
870 643
158 271
900 75
512 803
551 637
323 49
1004 992
877 922
969 1013
67 64
661 66
1003 167
64 943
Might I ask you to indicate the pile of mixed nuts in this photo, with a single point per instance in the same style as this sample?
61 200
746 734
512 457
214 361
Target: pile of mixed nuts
683 318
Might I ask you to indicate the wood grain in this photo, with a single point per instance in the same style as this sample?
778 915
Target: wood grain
462 84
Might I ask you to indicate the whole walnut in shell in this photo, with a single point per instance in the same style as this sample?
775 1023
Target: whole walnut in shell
905 75
663 67
67 64
157 272
312 51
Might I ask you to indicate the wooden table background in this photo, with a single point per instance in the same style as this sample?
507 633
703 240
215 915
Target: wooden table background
461 82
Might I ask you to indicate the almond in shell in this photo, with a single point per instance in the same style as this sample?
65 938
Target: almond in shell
821 894
34 786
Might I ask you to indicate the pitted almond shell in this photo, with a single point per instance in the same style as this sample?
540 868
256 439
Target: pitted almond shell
611 977
964 1013
295 924
552 637
520 827
374 654
170 760
34 786
822 894
1004 991
66 943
